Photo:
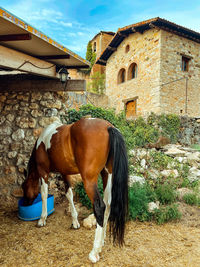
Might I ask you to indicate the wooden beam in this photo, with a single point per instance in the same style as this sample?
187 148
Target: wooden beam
122 35
133 29
54 57
15 37
29 83
12 59
111 48
103 61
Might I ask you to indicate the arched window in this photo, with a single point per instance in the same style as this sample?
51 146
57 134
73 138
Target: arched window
132 71
121 76
127 48
95 47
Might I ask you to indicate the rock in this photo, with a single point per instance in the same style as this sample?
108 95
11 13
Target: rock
17 192
37 132
134 179
18 135
194 174
153 173
10 117
167 173
48 120
12 154
143 163
6 130
153 206
89 221
193 159
175 152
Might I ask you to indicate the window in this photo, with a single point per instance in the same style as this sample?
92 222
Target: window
185 63
132 71
127 48
95 47
121 76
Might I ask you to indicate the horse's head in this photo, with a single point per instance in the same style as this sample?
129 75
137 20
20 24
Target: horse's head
30 187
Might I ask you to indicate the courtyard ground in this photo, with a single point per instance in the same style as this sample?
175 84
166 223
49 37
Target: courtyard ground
147 244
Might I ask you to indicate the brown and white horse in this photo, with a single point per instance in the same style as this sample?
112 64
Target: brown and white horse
89 147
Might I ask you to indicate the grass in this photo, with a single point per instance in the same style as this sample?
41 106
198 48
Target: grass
196 146
192 199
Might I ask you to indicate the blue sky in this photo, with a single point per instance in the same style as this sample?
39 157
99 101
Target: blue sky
73 23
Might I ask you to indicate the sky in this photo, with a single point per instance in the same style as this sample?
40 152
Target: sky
72 23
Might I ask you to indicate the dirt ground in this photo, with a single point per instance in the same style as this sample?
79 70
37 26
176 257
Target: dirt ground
147 244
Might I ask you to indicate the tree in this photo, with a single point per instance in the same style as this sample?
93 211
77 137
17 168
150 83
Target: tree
97 84
90 55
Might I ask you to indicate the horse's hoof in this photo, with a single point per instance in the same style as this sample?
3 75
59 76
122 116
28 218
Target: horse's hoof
41 223
94 257
76 225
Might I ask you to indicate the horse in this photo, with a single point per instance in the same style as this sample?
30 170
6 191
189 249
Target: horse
90 147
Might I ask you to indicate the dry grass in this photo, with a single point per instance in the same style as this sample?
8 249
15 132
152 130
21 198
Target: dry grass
147 244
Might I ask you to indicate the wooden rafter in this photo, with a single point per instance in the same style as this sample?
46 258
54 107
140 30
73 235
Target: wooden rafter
15 37
54 57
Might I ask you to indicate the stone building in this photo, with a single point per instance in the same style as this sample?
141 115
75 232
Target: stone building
153 66
99 43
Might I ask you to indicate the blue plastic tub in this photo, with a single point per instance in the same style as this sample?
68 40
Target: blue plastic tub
33 212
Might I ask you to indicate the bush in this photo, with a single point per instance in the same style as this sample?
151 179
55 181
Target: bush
166 214
139 197
84 199
191 199
165 194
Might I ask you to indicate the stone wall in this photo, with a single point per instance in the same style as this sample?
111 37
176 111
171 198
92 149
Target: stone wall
179 97
189 131
145 52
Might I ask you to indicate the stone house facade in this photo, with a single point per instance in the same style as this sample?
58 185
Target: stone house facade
153 66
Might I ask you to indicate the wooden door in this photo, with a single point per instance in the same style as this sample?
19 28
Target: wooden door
131 109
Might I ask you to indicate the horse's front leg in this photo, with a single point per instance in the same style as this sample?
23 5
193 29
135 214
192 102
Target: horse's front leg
44 195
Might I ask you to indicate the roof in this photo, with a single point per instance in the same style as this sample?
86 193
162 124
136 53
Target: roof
109 33
18 35
141 27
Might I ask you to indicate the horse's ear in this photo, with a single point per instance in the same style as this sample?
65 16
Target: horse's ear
25 172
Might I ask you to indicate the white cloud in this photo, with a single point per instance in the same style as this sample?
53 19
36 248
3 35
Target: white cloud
66 24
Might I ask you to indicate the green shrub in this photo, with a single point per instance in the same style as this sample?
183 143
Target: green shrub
191 199
84 199
196 146
139 197
166 214
165 193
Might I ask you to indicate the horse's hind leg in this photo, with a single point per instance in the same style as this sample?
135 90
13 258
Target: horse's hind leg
69 195
107 185
99 209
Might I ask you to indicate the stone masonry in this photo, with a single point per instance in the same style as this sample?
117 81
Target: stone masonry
160 85
145 52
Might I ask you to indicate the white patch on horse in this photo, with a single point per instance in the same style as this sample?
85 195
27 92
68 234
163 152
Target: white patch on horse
74 213
47 134
107 200
44 194
100 233
94 254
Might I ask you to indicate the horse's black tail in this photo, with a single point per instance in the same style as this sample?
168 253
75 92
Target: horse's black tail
119 203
